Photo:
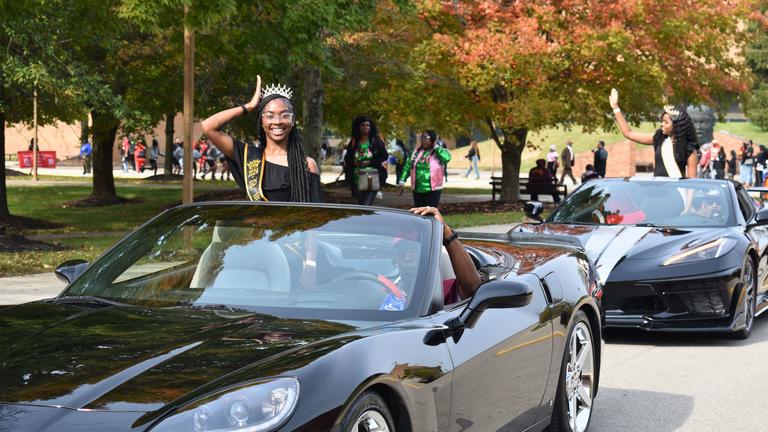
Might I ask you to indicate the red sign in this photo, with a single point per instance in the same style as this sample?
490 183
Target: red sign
45 159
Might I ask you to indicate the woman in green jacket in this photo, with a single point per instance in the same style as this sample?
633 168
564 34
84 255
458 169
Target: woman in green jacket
426 167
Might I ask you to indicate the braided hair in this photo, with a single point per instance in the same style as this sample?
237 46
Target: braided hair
298 170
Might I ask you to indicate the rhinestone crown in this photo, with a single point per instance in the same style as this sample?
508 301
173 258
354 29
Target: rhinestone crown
279 89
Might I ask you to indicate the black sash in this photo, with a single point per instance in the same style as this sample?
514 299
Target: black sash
253 172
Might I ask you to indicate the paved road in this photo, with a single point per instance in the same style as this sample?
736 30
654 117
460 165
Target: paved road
649 382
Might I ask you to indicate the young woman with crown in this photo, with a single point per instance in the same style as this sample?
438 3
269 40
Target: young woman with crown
675 143
278 169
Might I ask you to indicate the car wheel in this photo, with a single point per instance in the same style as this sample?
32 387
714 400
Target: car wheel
368 413
748 281
576 385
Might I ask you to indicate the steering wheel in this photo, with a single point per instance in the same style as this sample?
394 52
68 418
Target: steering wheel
360 275
597 215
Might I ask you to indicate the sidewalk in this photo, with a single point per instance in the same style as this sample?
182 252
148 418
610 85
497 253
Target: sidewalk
329 174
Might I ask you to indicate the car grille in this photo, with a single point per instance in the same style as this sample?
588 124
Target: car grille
703 297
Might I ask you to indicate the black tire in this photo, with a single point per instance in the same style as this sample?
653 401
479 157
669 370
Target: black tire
749 307
560 419
368 402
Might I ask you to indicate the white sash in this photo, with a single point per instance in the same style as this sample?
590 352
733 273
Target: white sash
668 156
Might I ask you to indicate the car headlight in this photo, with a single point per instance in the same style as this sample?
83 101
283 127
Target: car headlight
709 250
263 406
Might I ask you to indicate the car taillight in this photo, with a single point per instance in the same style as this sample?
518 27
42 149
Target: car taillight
595 289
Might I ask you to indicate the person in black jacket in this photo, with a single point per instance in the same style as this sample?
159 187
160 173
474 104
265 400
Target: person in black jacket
366 149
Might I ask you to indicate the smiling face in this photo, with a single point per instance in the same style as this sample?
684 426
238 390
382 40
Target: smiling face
666 125
277 120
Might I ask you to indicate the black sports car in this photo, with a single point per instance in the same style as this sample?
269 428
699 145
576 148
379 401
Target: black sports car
258 317
682 255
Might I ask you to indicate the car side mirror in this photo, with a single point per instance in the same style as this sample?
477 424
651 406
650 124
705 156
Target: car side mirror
761 217
534 209
70 270
495 294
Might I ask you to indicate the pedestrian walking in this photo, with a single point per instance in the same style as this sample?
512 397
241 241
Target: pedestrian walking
426 168
675 143
278 169
732 164
178 157
132 151
552 163
746 171
569 159
85 156
365 151
600 159
473 156
140 155
124 153
211 156
154 153
717 156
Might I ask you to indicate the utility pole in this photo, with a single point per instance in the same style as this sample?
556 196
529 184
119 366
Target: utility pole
189 107
34 144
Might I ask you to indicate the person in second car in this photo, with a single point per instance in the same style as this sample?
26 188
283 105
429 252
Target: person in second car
426 169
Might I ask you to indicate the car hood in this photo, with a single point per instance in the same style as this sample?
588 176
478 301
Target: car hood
134 359
609 245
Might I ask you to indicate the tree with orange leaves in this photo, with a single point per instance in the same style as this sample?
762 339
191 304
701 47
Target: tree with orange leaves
531 65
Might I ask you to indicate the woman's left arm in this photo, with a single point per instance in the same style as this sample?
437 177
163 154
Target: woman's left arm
443 155
312 165
690 168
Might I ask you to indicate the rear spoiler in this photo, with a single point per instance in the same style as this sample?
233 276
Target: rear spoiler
526 238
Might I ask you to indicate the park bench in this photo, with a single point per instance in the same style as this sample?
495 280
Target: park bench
496 187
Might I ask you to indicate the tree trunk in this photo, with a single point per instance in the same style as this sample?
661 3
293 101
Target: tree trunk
168 166
104 130
313 112
84 130
4 212
511 156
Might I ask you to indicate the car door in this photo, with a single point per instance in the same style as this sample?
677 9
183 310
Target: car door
501 366
759 234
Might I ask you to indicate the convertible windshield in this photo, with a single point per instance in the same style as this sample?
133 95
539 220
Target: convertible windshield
681 204
297 261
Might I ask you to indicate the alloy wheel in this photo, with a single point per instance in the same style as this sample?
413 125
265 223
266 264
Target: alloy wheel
370 421
579 378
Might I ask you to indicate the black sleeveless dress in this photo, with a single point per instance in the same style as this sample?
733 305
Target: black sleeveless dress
680 155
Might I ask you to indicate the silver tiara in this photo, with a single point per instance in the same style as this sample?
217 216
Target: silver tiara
669 109
279 89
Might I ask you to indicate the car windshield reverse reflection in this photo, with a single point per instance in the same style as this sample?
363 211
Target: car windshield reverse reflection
689 203
340 263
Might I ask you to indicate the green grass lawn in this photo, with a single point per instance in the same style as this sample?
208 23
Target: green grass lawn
476 219
46 202
583 142
87 248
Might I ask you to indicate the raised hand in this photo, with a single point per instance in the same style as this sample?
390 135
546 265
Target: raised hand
614 98
250 106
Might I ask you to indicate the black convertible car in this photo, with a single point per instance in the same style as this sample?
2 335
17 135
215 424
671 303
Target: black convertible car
259 317
682 255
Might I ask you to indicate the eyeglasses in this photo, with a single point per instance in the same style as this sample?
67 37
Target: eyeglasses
270 117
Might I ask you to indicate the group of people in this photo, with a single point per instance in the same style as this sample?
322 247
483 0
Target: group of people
752 165
135 153
205 158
